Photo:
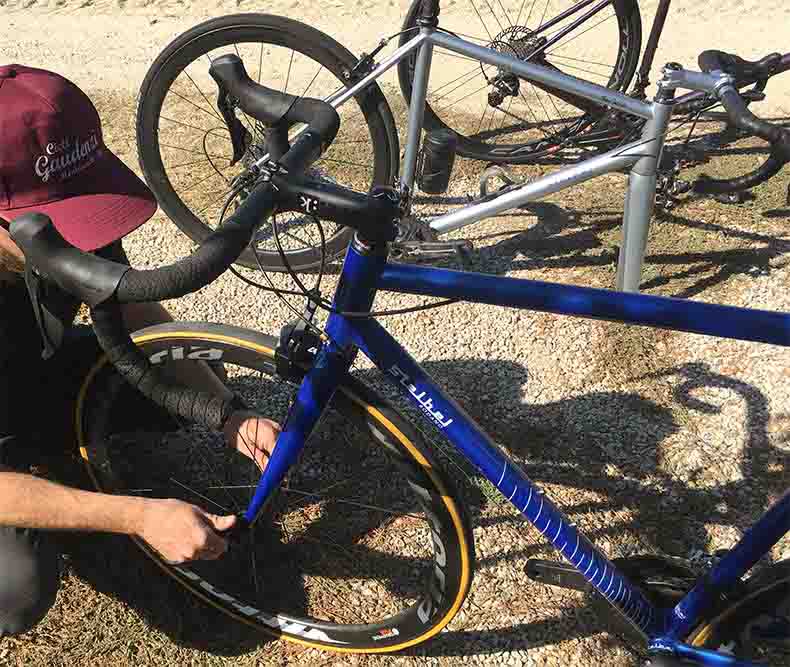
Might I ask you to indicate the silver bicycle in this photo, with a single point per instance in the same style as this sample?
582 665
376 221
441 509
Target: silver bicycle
179 95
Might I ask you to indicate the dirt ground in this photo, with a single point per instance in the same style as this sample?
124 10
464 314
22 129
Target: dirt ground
652 441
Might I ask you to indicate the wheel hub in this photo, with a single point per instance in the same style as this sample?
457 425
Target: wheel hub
517 42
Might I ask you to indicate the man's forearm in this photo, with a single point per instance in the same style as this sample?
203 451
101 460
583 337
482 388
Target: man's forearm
196 376
30 502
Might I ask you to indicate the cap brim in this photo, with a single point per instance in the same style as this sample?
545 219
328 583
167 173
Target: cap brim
112 202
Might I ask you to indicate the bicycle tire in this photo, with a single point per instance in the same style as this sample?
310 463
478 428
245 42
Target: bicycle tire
276 33
449 541
629 47
731 627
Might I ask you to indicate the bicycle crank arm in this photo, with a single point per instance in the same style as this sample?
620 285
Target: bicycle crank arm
558 574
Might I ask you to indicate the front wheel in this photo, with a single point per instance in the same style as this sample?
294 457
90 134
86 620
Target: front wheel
184 145
364 548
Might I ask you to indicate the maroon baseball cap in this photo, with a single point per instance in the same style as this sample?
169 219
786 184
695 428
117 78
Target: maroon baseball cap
53 160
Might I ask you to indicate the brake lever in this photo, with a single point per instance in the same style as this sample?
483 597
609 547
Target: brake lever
239 135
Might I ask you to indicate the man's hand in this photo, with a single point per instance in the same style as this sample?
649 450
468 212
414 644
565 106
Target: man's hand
252 435
181 532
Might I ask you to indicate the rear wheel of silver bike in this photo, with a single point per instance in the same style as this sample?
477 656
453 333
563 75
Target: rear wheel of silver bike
499 117
364 548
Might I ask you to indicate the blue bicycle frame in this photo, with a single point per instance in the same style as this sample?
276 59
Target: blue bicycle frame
366 270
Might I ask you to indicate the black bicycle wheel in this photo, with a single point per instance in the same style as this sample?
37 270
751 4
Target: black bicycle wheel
341 560
184 146
499 117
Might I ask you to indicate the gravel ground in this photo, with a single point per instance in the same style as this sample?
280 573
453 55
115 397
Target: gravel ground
652 441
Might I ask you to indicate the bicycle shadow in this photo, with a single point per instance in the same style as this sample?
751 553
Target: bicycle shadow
567 238
572 443
561 448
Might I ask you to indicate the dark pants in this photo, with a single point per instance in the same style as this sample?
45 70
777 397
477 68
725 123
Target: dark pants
36 402
29 572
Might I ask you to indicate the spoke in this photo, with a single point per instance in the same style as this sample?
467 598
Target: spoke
461 99
579 60
521 10
467 76
312 81
450 92
542 18
507 17
474 38
491 120
480 123
288 76
260 63
213 470
576 36
215 201
192 150
506 113
187 164
355 504
254 564
203 180
529 108
251 450
194 127
450 54
353 164
540 101
481 20
203 95
197 106
200 495
501 27
553 103
581 69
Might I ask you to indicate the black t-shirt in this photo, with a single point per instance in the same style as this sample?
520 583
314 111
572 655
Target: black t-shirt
33 392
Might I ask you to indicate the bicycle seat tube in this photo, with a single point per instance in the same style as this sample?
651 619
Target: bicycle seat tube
641 195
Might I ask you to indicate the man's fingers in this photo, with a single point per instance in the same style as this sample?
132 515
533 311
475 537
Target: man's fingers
220 523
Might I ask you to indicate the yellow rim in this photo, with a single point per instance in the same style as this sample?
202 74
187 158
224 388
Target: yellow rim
703 634
375 414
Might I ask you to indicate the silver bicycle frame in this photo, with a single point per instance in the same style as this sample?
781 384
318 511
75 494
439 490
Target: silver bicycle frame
641 156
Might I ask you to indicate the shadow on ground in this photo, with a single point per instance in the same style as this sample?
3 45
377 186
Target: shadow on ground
567 442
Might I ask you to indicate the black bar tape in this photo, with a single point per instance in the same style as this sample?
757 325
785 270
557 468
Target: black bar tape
711 186
211 259
195 406
741 117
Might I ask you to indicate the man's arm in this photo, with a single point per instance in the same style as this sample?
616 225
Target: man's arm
248 433
12 261
177 530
